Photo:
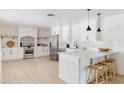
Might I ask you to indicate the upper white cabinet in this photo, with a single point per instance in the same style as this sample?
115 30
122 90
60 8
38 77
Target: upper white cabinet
65 34
43 36
55 30
76 32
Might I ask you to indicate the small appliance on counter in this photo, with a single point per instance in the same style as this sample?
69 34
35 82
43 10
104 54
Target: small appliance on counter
67 46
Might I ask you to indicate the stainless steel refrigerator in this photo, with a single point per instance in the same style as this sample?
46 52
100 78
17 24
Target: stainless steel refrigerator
54 47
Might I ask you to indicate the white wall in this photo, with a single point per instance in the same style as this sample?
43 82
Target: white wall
0 64
113 31
65 32
8 30
25 31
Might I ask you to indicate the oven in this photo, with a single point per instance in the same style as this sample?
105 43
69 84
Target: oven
28 52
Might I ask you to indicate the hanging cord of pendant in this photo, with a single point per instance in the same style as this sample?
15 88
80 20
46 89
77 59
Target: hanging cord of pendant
88 16
99 20
99 23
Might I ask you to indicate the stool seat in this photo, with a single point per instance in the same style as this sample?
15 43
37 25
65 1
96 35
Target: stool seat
110 59
94 66
104 63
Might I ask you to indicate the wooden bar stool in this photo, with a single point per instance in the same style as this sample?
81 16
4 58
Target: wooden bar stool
95 74
108 70
113 66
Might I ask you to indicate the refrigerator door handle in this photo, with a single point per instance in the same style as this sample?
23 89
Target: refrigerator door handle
50 44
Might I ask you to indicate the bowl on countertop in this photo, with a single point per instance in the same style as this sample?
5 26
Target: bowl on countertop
104 49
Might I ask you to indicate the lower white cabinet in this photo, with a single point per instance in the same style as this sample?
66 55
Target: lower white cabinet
69 69
41 51
18 53
72 69
12 53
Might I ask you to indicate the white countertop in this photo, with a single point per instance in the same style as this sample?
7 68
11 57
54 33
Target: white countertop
88 53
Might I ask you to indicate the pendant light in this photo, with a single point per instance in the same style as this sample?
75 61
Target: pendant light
88 28
98 30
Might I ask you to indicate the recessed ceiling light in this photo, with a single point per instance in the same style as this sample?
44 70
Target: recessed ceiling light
51 15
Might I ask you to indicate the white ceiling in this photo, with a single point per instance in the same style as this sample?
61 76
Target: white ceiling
38 18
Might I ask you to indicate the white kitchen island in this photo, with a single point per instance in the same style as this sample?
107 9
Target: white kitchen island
73 64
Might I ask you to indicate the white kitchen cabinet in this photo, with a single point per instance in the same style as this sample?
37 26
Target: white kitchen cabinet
69 69
38 51
72 69
55 30
45 51
20 53
12 53
41 51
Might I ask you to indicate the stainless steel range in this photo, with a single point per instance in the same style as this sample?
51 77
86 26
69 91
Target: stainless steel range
28 52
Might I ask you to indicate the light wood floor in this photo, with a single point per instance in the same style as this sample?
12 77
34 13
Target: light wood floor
31 71
35 71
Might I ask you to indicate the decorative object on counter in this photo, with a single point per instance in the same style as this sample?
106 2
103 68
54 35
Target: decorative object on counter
104 49
67 46
10 44
99 30
75 44
88 28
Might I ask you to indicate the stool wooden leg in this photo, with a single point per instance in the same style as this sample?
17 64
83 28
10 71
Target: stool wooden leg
113 71
116 70
89 75
96 76
106 75
103 78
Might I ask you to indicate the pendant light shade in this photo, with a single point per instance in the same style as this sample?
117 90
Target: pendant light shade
98 30
88 28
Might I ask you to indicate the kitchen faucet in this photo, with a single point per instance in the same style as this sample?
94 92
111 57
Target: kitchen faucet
75 44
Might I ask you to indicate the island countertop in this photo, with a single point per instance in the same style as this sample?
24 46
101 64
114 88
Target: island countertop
89 53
